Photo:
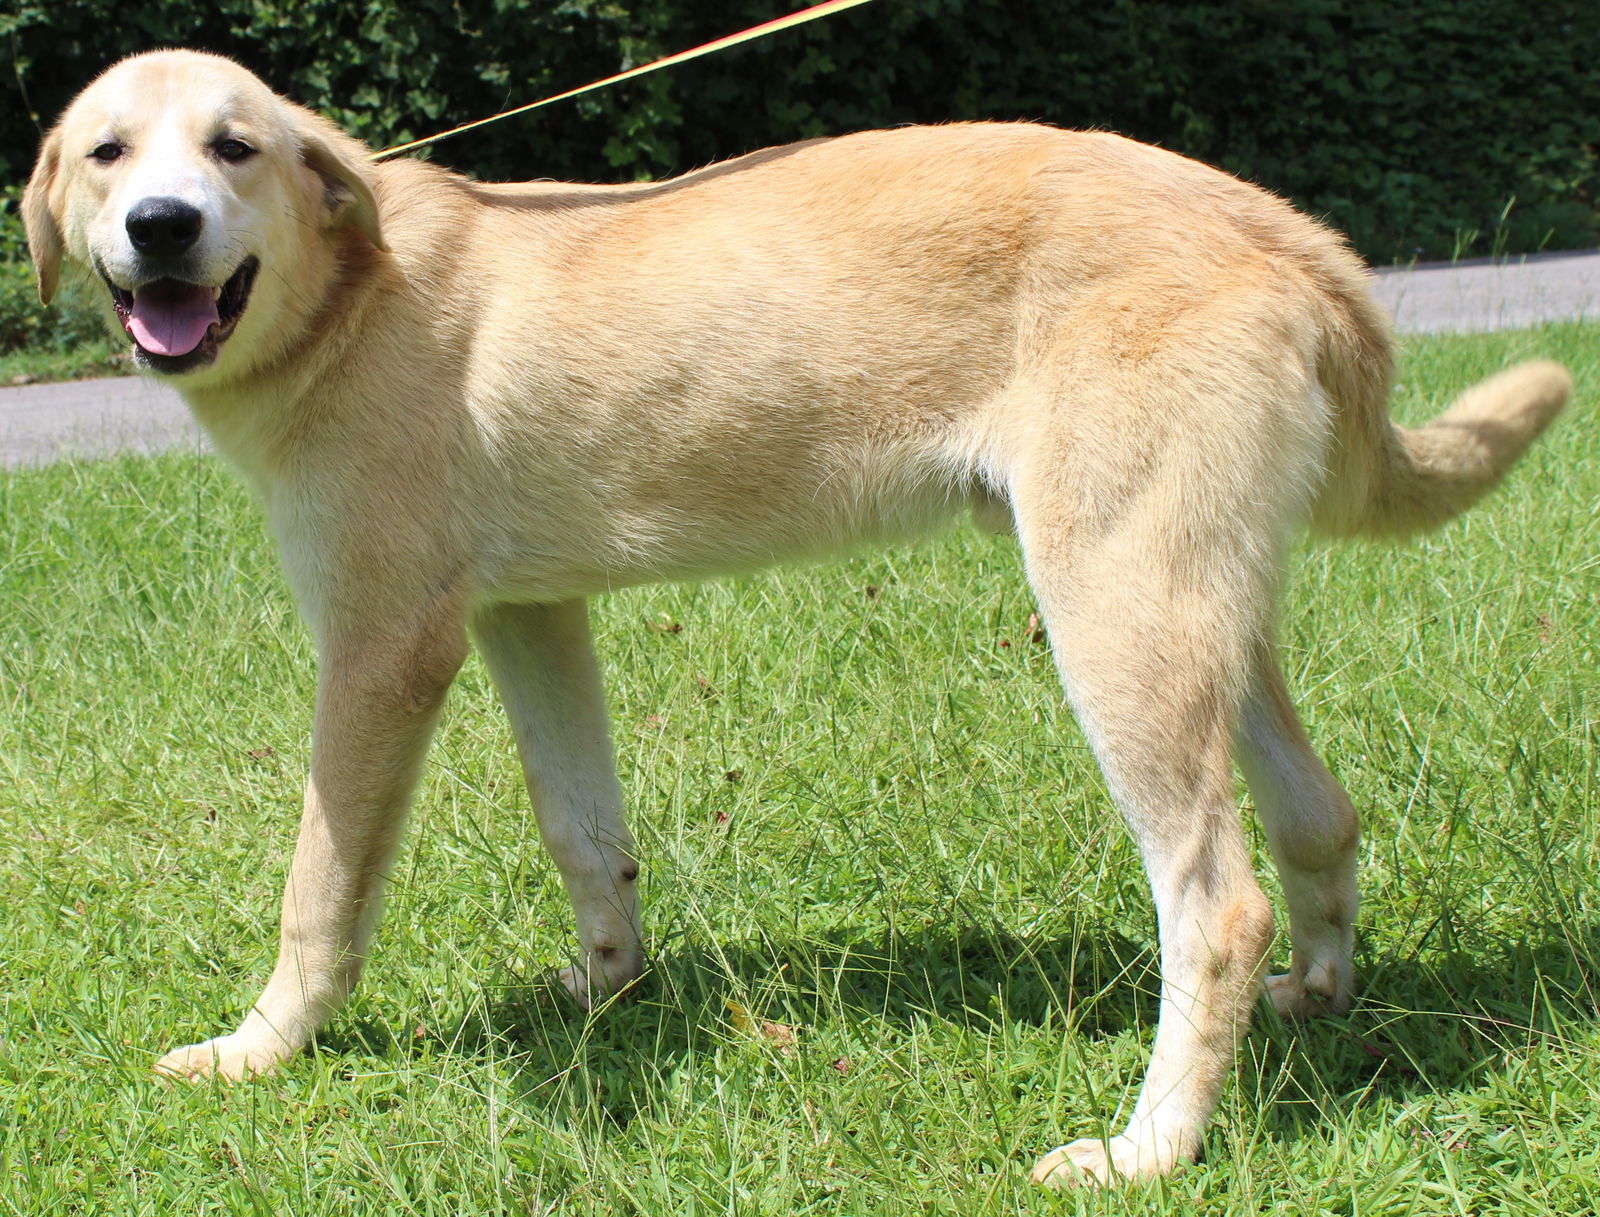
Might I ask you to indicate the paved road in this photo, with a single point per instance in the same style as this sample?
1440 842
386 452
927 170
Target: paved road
40 423
1474 297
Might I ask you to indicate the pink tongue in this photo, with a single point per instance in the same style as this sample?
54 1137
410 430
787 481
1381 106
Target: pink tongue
171 318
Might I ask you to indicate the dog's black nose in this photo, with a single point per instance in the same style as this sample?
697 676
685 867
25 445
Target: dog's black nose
163 225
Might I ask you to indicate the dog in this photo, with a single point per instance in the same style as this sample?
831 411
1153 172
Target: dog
466 407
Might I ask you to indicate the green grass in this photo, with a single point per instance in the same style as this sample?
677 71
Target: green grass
80 361
864 817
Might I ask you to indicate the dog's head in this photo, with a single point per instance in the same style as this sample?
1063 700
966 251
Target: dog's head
195 194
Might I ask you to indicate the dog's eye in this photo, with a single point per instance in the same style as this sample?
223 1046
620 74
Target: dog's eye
107 152
233 150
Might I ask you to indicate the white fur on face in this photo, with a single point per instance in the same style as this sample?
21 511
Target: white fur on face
167 113
168 128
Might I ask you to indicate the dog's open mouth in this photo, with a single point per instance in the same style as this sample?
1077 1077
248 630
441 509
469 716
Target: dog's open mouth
175 325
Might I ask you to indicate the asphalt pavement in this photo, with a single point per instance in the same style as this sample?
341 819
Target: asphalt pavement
92 418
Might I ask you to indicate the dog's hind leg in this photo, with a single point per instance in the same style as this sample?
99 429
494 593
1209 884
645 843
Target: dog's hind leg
543 663
1155 581
1313 832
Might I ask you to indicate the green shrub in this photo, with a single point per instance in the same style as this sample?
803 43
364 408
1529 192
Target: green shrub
72 318
1426 128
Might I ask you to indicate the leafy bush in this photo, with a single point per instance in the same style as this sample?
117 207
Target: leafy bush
1423 127
25 324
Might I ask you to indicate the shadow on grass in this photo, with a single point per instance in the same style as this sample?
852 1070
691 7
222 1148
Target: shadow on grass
975 977
1432 1023
1421 1025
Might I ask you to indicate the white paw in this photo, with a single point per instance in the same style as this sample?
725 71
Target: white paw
232 1058
1309 996
601 975
1087 1163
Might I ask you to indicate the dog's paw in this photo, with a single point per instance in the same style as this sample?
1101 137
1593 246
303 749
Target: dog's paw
602 975
1311 996
227 1058
1090 1162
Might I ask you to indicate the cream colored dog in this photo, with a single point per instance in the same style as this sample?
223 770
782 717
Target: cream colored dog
466 407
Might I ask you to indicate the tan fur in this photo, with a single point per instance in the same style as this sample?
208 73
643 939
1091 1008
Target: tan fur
467 407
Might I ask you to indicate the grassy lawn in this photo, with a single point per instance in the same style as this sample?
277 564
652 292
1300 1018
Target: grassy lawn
79 362
901 943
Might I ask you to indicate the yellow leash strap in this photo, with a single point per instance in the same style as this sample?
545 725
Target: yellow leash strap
816 11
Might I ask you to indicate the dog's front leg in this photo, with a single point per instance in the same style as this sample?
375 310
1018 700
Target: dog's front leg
544 666
378 698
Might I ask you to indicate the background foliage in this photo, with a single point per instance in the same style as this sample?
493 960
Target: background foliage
1428 128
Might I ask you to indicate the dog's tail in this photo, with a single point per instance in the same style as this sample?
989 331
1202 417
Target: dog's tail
1388 480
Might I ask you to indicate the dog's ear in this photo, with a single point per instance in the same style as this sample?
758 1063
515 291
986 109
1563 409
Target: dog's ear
342 165
39 217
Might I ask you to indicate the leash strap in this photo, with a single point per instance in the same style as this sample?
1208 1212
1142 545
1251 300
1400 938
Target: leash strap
774 26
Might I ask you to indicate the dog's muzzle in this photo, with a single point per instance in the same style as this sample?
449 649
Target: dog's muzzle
176 321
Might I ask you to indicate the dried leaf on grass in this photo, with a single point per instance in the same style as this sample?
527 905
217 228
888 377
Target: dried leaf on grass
783 1038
